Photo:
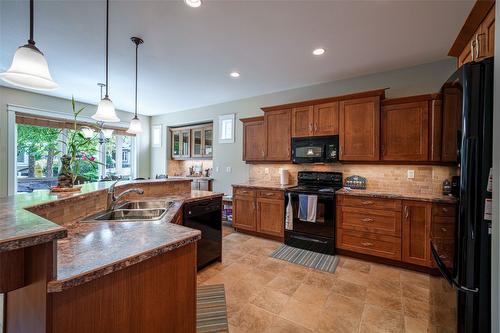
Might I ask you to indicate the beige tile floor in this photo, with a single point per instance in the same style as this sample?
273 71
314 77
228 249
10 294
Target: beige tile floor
270 295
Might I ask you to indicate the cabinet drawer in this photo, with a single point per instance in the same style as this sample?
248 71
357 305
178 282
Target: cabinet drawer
443 210
445 249
384 222
443 230
371 203
369 243
269 194
243 191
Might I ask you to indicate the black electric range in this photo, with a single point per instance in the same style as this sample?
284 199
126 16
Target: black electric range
313 232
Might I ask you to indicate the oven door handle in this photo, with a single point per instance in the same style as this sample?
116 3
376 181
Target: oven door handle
308 239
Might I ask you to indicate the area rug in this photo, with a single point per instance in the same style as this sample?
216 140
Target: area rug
211 312
319 261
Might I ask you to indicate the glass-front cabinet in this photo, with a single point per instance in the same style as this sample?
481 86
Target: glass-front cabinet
192 142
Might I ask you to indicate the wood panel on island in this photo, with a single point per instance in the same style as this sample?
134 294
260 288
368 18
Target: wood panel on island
259 211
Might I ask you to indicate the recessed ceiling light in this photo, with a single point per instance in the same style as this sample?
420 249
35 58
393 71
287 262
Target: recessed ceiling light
193 3
235 74
319 51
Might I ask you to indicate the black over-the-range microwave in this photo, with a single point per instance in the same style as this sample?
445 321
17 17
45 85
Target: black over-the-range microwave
318 149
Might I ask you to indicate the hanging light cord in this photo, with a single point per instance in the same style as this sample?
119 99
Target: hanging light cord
31 41
107 32
136 56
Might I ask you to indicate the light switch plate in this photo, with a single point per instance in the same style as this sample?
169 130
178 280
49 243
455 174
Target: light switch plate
228 169
266 171
411 174
217 169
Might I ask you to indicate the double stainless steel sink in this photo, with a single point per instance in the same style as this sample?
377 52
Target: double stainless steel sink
133 211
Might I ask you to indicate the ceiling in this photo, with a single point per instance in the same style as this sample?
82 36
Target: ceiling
189 52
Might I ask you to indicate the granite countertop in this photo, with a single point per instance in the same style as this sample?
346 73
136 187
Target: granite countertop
20 228
95 249
436 198
264 185
191 177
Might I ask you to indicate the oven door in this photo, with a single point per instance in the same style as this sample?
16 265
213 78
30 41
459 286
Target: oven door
324 226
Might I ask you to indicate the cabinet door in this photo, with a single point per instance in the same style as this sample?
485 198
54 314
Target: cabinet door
244 213
359 129
326 119
302 121
254 141
176 144
208 134
270 216
405 132
197 142
452 112
278 145
416 218
185 143
436 128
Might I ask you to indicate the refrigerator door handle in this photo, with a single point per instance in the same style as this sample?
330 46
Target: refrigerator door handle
447 274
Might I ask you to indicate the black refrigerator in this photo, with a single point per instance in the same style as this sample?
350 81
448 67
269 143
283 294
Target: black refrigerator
469 273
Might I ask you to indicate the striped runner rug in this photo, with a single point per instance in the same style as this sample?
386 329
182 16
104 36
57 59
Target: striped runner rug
319 261
211 313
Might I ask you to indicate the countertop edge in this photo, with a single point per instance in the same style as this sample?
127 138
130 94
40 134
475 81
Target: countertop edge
55 286
276 187
33 239
402 196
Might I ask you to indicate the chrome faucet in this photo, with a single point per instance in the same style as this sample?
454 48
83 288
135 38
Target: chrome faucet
113 199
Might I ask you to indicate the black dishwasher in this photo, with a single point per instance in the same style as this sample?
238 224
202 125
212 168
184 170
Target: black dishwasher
206 216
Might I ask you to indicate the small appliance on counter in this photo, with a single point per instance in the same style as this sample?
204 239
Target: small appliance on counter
310 221
355 182
446 187
284 176
321 149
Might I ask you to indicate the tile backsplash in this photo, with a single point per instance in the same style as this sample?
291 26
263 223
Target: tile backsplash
181 168
428 178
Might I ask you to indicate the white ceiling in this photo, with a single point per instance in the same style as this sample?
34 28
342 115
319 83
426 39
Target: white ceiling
189 52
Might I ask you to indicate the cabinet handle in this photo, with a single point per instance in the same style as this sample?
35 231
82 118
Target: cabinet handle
367 202
442 256
382 148
310 127
263 154
315 127
444 229
472 50
407 212
477 46
367 219
445 210
366 244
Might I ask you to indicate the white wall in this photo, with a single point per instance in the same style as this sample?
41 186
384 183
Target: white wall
417 80
33 100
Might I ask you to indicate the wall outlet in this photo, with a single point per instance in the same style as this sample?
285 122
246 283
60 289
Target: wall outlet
411 174
266 171
228 169
217 169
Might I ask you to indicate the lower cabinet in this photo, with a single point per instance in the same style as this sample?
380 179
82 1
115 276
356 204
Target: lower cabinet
416 232
259 211
395 229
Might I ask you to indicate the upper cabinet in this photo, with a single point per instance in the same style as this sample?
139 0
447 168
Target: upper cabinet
254 140
315 120
476 40
359 127
278 134
452 113
193 142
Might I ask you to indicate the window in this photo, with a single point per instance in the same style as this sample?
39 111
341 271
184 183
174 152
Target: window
156 142
40 147
226 128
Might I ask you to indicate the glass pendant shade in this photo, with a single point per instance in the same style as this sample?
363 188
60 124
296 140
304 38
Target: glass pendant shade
29 69
107 132
135 126
106 111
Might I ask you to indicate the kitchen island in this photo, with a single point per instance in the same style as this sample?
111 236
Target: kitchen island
64 275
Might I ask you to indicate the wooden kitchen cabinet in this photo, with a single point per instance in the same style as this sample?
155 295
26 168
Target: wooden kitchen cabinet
244 212
405 132
359 129
416 224
278 135
315 120
270 216
181 143
259 211
476 39
254 139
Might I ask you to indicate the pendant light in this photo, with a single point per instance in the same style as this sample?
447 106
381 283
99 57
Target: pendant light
135 124
106 110
29 69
